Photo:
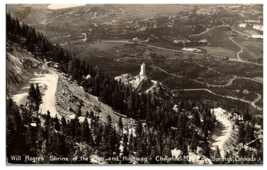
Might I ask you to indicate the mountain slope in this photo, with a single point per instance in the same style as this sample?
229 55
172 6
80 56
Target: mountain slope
21 66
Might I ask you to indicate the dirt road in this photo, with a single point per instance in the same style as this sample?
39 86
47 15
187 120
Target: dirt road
50 80
226 132
241 50
222 26
255 80
237 60
211 85
214 85
229 97
253 103
48 97
173 50
156 67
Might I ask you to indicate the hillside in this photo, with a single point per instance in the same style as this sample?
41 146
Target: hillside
72 21
68 110
102 11
21 66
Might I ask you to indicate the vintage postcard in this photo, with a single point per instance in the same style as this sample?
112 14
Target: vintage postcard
134 84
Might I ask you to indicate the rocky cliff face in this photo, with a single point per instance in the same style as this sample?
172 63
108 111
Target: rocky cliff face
146 85
20 67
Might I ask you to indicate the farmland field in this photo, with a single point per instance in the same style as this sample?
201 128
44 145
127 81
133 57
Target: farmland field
211 99
169 54
215 78
252 32
233 68
182 68
171 81
235 93
106 45
115 68
242 89
218 37
247 84
220 52
253 48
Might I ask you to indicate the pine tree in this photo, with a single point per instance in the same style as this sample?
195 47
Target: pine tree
48 122
125 139
63 124
120 125
77 130
241 134
87 114
196 118
57 125
152 156
79 112
85 131
16 141
32 94
139 128
112 141
109 124
247 116
141 152
194 142
38 97
125 154
9 23
166 151
91 115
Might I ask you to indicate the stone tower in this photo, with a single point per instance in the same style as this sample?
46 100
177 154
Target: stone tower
143 71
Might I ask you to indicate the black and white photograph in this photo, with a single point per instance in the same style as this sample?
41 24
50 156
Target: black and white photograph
136 84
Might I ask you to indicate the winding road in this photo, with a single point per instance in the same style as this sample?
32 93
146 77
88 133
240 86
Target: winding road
229 97
243 61
258 81
48 80
241 48
214 85
226 132
211 85
248 35
241 51
256 100
230 82
173 50
156 67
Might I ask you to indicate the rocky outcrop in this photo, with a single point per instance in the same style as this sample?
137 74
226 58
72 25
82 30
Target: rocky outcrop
20 67
197 158
176 153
